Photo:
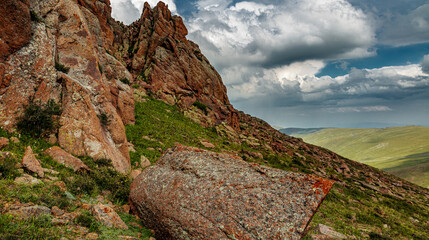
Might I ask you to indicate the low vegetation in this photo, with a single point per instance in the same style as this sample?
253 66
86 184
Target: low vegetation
35 17
125 81
39 119
60 67
201 106
104 119
81 188
350 208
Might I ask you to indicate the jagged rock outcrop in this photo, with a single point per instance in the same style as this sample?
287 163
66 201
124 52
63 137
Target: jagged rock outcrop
68 34
157 53
196 194
73 52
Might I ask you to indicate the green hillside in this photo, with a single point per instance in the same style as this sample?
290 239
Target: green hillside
352 207
403 151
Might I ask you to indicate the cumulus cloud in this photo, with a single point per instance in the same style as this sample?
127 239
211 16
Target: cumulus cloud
273 35
129 11
362 90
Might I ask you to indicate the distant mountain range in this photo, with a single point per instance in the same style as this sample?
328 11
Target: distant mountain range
402 151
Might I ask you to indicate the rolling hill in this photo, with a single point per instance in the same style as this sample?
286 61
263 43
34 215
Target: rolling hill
402 151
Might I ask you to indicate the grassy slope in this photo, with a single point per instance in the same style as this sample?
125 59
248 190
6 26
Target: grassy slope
349 208
81 188
403 151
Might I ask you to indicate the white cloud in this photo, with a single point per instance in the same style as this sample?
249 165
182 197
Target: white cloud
129 11
276 35
124 11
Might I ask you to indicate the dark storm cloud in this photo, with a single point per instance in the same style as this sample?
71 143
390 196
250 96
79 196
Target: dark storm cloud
409 28
331 48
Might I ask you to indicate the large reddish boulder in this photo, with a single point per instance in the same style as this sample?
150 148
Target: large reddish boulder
196 194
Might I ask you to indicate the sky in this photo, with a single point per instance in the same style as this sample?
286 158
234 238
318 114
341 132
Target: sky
313 63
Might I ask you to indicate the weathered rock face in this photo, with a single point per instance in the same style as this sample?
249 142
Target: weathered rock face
195 194
162 60
99 52
15 27
75 34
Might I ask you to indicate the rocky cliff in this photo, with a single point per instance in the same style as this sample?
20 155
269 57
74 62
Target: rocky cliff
74 53
161 59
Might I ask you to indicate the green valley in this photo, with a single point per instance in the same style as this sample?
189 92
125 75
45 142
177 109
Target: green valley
402 151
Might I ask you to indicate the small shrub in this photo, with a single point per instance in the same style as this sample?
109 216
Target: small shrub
100 68
374 235
104 162
8 168
142 77
35 17
43 221
102 177
118 184
39 119
55 197
131 49
85 219
104 119
125 80
82 183
201 106
60 67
